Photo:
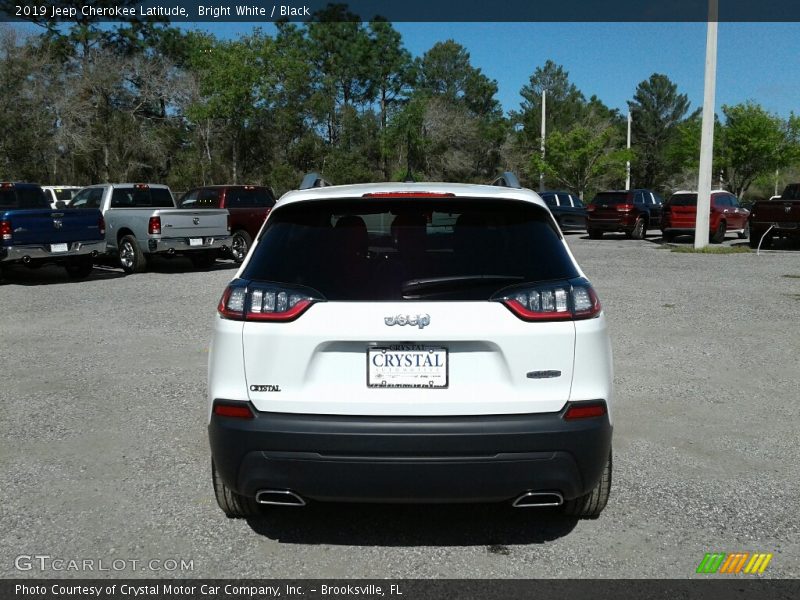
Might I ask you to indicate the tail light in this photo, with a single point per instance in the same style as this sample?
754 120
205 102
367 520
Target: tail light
5 230
236 410
554 301
228 222
585 410
591 208
624 207
154 226
265 302
101 225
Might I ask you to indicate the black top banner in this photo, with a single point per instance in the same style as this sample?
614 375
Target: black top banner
270 11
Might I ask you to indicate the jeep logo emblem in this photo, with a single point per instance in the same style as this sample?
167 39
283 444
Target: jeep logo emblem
418 320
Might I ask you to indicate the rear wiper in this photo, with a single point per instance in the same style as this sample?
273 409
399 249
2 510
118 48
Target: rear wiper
455 282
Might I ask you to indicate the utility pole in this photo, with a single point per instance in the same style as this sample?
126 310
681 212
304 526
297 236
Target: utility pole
707 136
544 108
777 174
628 162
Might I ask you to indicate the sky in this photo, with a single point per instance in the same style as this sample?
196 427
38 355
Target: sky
755 61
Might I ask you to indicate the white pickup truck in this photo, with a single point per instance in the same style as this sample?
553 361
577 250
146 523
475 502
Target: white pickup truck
142 220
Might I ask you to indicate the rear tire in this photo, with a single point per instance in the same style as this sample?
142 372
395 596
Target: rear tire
131 257
589 506
79 268
719 234
240 244
235 506
594 234
639 231
746 233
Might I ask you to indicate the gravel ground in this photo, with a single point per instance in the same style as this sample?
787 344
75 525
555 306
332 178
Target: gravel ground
104 453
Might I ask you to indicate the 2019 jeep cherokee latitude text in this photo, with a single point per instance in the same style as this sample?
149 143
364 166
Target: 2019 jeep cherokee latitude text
410 343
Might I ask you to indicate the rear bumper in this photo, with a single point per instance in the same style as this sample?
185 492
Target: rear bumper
624 223
410 459
182 244
42 252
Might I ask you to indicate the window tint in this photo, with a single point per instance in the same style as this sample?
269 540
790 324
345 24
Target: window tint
248 198
372 249
23 198
64 195
135 197
189 200
733 200
722 200
88 198
549 199
612 198
791 192
639 198
683 200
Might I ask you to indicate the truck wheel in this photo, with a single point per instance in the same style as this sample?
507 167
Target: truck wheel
240 244
131 257
589 506
203 259
79 268
743 235
594 234
639 230
235 506
719 234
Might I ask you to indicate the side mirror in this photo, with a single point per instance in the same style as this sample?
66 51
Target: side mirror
61 204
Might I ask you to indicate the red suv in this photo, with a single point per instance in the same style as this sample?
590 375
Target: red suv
248 206
680 215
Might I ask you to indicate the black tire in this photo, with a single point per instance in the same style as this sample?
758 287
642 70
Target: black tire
719 235
592 504
743 235
203 259
235 506
240 244
79 268
594 234
131 257
639 231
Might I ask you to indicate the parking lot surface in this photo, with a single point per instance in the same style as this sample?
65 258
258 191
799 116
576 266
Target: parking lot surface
105 456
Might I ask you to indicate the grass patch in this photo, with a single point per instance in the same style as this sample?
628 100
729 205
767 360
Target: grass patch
795 296
711 250
791 276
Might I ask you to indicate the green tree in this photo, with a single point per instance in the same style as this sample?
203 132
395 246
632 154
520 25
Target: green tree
657 109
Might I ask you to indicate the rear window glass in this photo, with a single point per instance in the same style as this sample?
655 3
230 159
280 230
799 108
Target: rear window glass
792 192
132 197
683 200
612 198
244 198
23 198
65 195
382 249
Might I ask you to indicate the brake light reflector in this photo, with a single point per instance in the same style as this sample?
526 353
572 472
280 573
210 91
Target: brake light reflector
101 225
560 301
229 222
265 302
234 410
154 226
585 410
5 230
591 208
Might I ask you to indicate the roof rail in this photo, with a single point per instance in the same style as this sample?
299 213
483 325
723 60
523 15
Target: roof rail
313 180
507 179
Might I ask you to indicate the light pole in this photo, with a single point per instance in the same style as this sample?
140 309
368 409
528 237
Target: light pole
707 136
544 108
628 162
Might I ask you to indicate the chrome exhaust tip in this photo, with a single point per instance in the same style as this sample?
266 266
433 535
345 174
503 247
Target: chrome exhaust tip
279 498
538 500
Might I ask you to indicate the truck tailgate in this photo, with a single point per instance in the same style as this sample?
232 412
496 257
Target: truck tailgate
209 222
45 226
781 213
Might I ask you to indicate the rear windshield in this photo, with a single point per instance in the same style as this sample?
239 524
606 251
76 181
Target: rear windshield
247 198
683 200
23 198
133 197
409 248
65 195
612 198
792 192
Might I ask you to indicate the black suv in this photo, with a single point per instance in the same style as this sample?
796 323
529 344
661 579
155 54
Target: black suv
568 210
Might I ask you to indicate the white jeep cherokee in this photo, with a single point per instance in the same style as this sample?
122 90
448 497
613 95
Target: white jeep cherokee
410 342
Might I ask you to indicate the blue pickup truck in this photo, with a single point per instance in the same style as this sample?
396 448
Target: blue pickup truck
33 234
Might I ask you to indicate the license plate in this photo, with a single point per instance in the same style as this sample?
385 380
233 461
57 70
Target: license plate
59 247
195 241
407 366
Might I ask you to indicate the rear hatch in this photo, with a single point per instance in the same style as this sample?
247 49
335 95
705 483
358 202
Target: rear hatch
33 222
407 318
680 211
605 206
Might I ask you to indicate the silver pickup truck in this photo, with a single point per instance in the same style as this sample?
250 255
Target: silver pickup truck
142 220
